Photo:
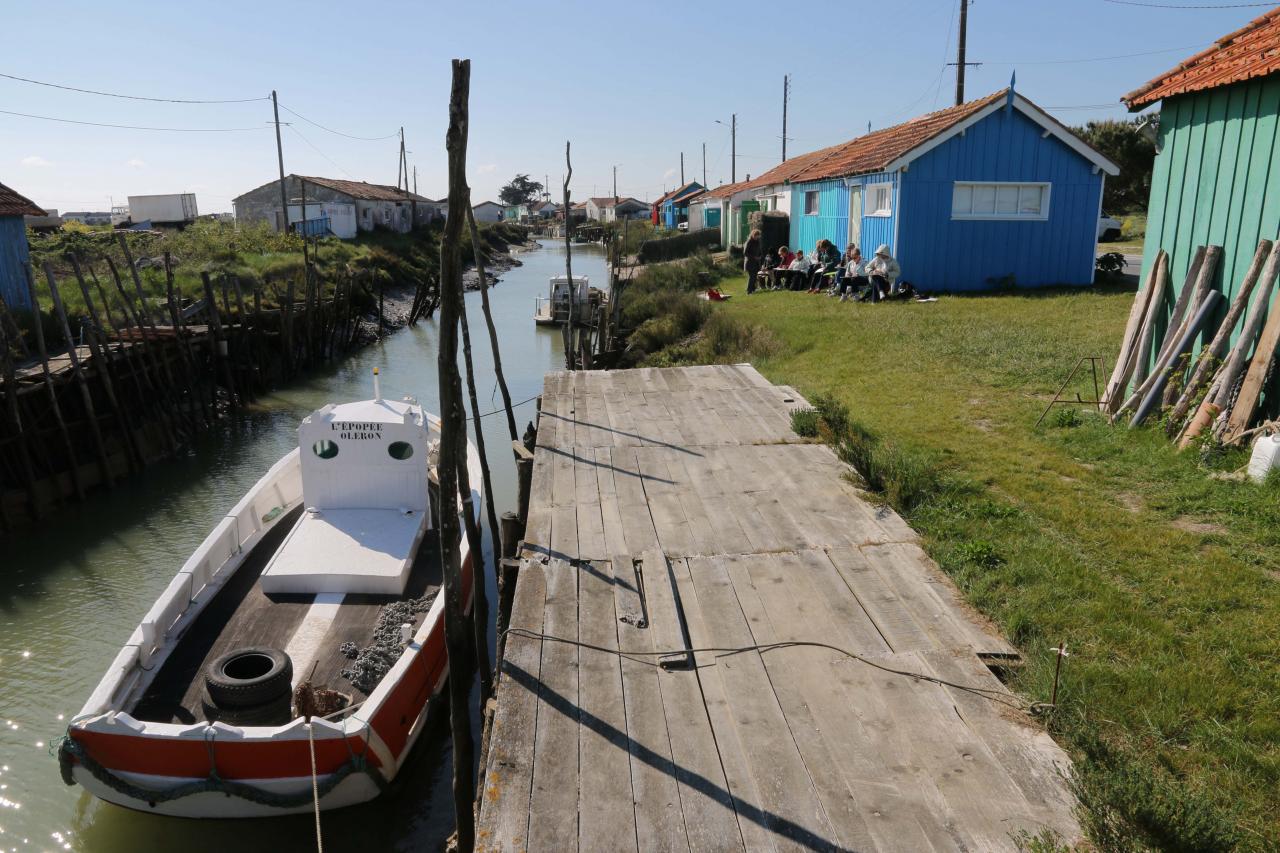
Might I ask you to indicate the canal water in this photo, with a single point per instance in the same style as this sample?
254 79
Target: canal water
72 590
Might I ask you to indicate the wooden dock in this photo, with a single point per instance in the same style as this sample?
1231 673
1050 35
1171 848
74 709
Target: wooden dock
675 510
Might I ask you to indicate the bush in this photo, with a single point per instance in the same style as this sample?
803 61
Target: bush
804 422
679 246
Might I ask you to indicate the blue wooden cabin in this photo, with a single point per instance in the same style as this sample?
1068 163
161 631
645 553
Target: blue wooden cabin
675 205
985 193
14 252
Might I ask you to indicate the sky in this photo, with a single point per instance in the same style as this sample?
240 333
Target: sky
631 85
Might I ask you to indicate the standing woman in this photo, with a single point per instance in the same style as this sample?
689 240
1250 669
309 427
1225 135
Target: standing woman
752 258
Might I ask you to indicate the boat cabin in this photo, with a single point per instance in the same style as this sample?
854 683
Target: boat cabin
554 308
367 506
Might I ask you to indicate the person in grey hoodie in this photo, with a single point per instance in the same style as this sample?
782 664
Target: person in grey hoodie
884 273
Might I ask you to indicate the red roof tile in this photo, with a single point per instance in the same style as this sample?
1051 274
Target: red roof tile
13 204
875 151
1249 52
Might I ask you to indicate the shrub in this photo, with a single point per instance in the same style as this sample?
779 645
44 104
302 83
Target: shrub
679 246
1110 266
804 422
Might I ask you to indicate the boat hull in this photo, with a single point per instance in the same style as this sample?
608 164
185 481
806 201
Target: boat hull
215 770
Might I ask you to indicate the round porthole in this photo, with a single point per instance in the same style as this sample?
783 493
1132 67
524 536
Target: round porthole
325 449
400 450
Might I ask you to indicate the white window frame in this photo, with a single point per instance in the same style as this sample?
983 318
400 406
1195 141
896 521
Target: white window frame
869 197
816 195
1046 188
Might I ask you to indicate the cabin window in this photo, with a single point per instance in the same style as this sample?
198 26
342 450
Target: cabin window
811 203
325 449
880 200
1011 201
400 450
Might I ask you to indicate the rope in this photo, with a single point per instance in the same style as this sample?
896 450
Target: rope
1000 697
315 782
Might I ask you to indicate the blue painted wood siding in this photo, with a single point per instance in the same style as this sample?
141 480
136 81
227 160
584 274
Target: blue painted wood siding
13 258
939 253
880 230
832 219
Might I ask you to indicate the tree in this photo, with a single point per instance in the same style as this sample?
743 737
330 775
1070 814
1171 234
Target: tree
1131 150
521 190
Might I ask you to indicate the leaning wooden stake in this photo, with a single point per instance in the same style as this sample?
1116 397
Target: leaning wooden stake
453 431
1259 370
78 376
567 329
14 415
217 339
207 411
73 464
1146 337
1211 356
493 331
1130 342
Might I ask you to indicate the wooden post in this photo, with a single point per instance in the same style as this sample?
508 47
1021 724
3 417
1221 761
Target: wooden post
1249 333
107 372
137 370
217 338
73 464
524 480
380 295
243 344
184 346
508 574
286 328
1146 336
459 641
15 421
568 264
77 374
488 320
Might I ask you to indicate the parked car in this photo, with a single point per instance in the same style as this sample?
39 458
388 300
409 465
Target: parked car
1108 229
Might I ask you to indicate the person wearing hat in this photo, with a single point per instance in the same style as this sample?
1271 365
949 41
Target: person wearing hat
883 272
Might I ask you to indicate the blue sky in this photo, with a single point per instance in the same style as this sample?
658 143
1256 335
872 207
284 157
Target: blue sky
630 84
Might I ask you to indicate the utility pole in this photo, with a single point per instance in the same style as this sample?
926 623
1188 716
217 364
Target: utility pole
615 185
733 149
960 62
284 195
786 90
415 180
681 168
400 164
704 164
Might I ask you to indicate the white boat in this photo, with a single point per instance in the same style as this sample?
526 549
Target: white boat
554 308
333 551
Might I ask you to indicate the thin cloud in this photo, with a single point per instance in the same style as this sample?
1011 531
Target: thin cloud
35 161
487 168
136 163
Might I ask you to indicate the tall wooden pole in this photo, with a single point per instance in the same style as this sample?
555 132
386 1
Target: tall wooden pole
73 464
453 430
960 63
786 90
568 264
284 195
733 149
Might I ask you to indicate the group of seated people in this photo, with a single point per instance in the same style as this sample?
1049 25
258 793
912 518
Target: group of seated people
825 271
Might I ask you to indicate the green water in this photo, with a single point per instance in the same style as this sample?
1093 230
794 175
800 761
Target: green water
72 590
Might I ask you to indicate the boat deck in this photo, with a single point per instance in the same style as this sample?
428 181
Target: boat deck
310 628
675 510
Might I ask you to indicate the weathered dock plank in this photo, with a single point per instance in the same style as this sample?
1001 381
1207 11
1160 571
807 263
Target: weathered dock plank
675 512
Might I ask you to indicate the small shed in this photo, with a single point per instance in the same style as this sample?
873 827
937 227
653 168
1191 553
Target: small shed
488 211
1216 179
991 191
14 251
675 205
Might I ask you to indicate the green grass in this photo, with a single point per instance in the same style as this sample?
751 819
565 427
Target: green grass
1163 582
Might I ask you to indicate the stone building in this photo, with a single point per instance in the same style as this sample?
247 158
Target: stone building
376 205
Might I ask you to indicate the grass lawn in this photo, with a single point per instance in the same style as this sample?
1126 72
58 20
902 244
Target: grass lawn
1163 582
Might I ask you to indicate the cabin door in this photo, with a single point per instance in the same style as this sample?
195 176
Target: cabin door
855 215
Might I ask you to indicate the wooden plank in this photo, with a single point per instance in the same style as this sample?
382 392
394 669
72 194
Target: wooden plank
665 508
705 798
615 541
659 821
891 617
790 805
588 518
553 800
606 816
564 532
504 812
696 470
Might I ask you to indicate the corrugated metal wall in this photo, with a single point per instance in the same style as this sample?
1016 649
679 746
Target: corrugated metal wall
832 218
1217 178
880 229
13 257
938 253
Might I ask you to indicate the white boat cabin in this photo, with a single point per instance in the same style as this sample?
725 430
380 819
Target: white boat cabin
365 484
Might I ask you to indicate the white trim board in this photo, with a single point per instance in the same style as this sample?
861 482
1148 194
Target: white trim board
1028 109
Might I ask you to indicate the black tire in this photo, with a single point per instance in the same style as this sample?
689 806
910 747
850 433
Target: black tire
277 712
1110 235
245 678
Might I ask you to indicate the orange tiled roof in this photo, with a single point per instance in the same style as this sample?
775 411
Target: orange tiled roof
1249 52
875 151
14 204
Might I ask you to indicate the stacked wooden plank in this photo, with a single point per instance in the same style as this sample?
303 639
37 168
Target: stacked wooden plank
1221 385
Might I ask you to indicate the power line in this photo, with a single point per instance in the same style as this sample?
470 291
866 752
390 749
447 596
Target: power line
1096 58
1170 6
338 132
318 151
130 97
136 127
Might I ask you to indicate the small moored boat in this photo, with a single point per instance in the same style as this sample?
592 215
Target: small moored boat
582 300
316 594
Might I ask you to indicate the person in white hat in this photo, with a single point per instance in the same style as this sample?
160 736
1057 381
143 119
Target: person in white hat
883 272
